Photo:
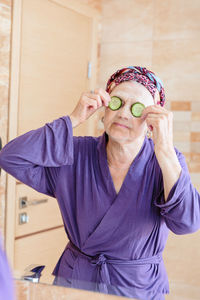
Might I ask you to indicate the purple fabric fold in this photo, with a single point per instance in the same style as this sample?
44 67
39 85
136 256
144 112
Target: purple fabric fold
181 210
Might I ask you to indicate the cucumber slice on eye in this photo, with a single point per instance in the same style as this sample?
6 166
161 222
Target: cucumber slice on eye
115 103
136 109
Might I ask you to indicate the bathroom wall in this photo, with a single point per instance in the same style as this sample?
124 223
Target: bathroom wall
163 36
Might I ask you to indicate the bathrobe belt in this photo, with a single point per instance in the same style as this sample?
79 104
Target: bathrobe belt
101 261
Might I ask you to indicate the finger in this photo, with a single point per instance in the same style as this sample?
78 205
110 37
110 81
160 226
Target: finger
157 115
95 97
156 109
98 99
92 103
105 97
158 123
161 116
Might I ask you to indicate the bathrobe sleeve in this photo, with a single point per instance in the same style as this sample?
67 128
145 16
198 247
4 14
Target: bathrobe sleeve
35 157
181 210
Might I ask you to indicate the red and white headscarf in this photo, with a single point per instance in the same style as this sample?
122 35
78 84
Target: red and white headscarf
141 75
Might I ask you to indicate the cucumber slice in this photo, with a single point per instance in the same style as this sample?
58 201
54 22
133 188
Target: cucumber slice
115 103
136 109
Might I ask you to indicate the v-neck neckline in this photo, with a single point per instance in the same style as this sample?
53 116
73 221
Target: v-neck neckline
112 181
105 167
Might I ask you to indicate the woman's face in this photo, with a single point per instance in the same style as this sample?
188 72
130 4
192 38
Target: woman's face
120 124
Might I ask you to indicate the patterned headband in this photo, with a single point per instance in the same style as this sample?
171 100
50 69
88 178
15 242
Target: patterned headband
141 75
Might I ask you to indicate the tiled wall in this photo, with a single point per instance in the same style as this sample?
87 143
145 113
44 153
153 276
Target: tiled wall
5 29
177 58
163 36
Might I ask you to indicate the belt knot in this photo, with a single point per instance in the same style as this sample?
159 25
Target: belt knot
99 260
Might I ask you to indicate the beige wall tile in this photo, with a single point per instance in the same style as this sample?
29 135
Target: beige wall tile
182 291
181 105
195 157
117 55
176 19
178 63
182 116
195 137
182 136
195 180
194 167
182 146
181 126
195 147
127 20
195 126
195 116
196 105
195 177
180 255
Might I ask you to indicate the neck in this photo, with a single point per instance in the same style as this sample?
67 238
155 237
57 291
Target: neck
121 155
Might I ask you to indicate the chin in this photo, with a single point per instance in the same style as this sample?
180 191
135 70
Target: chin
118 137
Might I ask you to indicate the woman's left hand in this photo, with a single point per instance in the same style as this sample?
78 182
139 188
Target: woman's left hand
160 121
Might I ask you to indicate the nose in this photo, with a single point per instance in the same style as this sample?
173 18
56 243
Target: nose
124 112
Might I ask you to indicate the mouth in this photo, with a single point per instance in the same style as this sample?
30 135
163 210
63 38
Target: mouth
121 125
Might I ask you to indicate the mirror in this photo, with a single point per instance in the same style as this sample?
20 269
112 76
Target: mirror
52 72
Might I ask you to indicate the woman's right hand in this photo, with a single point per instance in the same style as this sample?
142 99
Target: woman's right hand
88 104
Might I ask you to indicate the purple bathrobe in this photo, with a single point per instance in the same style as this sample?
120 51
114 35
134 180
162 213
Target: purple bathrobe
6 281
116 239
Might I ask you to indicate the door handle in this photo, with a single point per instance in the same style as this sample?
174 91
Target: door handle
24 202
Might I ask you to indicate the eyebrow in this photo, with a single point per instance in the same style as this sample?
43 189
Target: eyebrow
135 99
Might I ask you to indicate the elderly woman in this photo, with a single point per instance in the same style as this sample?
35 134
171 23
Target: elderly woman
120 193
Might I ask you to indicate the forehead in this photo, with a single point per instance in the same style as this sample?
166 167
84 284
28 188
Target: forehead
132 90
